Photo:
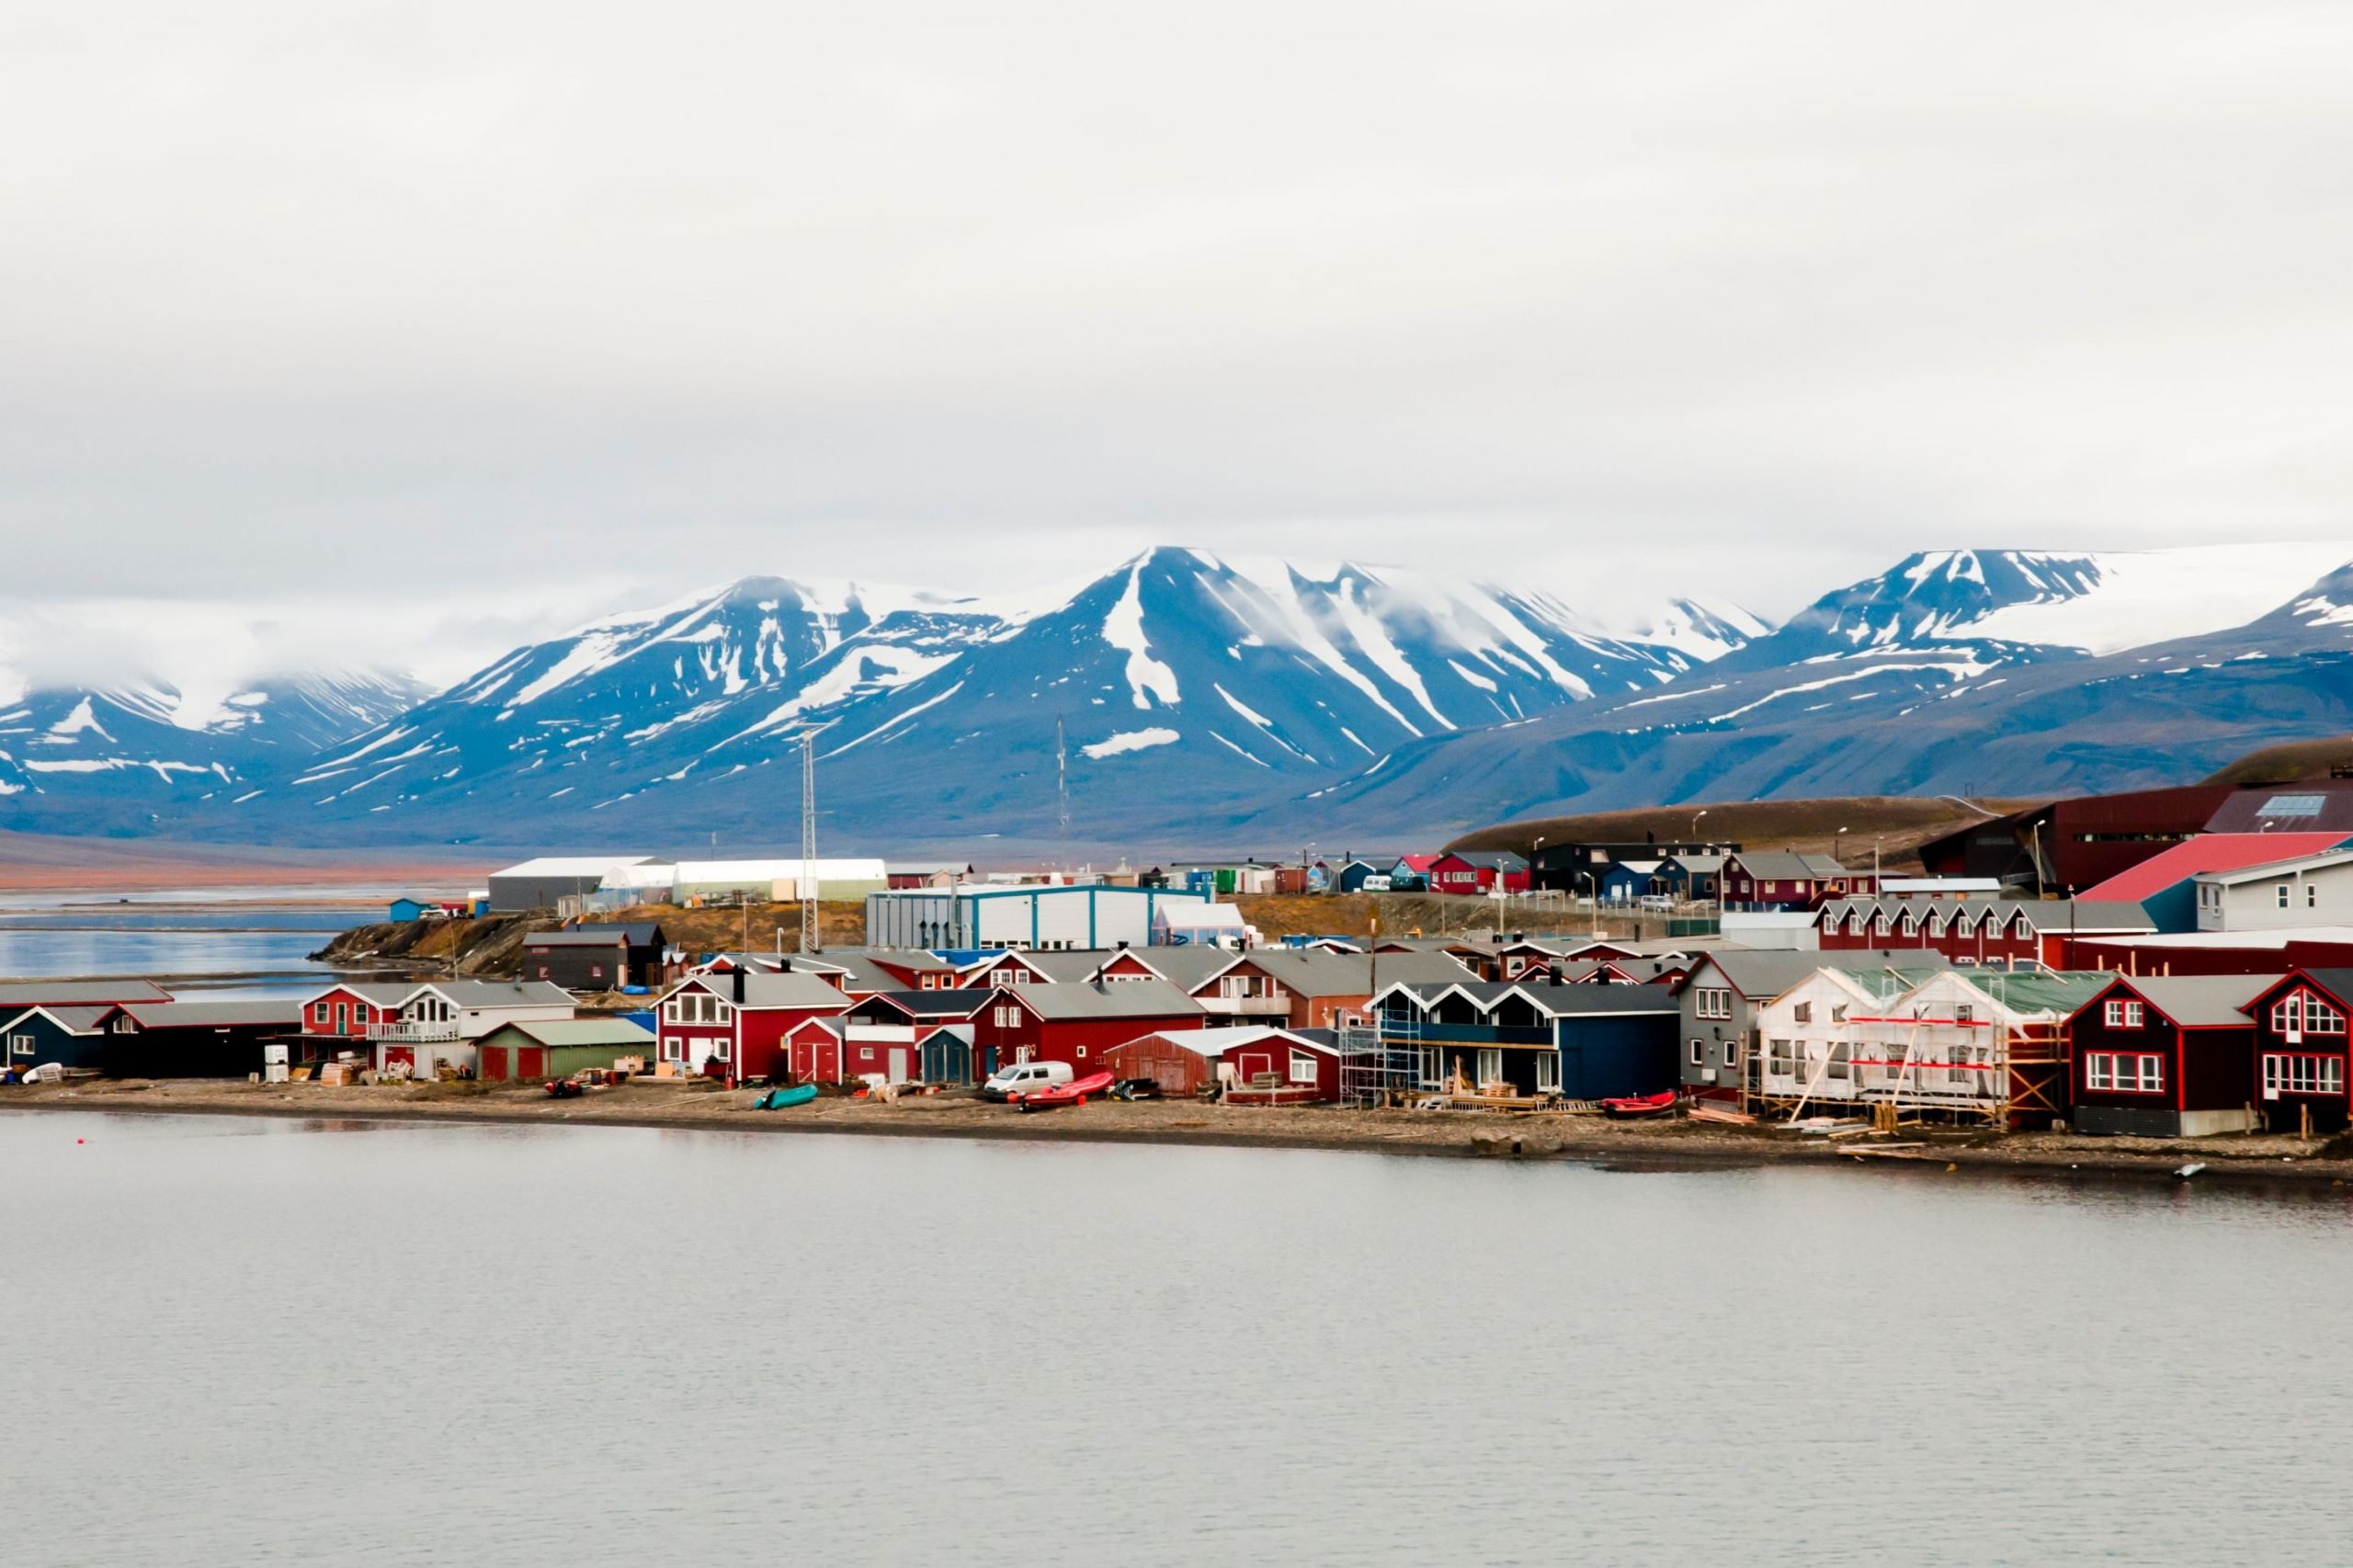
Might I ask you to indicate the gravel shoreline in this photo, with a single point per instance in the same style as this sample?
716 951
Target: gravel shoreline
706 1107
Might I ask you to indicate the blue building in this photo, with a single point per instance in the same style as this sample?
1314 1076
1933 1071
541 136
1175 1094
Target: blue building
1581 1042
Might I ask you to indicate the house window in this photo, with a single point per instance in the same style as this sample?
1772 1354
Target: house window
1433 1067
1841 1056
671 1010
1732 1053
319 1013
1082 1053
20 1045
1802 1013
1490 1065
1699 1054
2282 891
2302 1074
1302 1067
1837 1012
1548 1073
726 1013
1780 1061
596 971
2122 1014
2301 1013
2311 895
1712 1002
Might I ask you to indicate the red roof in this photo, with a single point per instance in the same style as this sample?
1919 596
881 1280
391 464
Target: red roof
2209 852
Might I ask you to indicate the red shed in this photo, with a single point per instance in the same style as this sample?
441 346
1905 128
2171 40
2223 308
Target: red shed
1305 1063
1078 1023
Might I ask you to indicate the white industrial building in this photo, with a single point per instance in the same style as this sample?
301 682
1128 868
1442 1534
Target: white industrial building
1032 917
2311 890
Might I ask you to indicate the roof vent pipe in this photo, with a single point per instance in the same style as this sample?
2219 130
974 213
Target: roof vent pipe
739 987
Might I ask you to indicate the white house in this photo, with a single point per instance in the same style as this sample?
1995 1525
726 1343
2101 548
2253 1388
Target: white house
2311 890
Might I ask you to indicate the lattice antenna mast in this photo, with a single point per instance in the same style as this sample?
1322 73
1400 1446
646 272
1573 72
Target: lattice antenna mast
1062 795
809 943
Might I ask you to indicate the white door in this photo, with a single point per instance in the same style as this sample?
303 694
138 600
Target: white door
898 1064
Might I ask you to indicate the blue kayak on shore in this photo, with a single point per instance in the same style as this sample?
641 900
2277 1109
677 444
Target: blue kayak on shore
776 1099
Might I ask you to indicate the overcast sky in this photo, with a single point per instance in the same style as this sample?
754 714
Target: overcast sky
414 327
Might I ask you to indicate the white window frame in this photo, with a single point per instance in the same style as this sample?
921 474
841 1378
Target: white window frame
1302 1067
1548 1073
20 1045
1699 1053
1732 1053
1489 1057
1433 1067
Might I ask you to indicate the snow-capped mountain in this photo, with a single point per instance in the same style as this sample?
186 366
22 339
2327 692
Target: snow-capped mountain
1177 678
1957 672
85 757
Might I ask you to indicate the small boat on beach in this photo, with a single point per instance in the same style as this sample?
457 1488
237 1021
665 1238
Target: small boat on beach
776 1099
1628 1106
1072 1092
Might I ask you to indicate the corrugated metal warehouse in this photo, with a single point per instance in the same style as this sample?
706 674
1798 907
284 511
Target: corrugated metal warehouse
1018 917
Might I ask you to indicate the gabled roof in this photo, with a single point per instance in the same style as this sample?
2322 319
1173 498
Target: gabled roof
577 1032
798 990
80 992
2326 860
1418 862
1187 967
935 1003
573 865
1761 974
1486 860
2338 982
1215 1043
2196 1001
2208 852
1068 966
2061 993
497 992
1321 972
1789 865
73 1021
638 934
266 1012
2051 917
1111 999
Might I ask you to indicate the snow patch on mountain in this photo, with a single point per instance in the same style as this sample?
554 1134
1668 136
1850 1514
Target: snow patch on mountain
1148 679
1131 740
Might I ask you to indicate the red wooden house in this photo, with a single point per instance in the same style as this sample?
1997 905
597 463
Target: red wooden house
741 1026
2299 1049
1478 871
1979 932
2166 1056
1078 1023
925 1035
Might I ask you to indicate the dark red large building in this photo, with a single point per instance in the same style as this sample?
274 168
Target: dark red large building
2070 845
2166 1057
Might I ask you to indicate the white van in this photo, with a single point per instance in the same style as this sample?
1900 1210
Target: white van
1023 1076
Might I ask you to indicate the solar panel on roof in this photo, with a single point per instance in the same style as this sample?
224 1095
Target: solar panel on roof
2292 806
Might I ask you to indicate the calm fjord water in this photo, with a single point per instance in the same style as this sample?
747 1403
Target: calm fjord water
238 1342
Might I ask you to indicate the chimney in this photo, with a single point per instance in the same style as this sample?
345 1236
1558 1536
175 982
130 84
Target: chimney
739 987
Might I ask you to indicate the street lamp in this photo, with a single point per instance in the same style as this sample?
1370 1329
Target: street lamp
1695 824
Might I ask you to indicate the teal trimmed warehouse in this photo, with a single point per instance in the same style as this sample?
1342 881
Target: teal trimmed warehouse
1049 918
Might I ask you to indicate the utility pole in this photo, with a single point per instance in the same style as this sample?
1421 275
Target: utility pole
809 941
1061 796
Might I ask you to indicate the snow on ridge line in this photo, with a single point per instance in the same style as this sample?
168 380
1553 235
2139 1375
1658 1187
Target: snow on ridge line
2155 595
1131 740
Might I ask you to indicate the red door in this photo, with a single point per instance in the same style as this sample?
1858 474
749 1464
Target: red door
530 1061
494 1064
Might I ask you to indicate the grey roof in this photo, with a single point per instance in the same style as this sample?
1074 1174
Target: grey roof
499 992
960 1004
1493 860
607 1030
73 1021
1767 971
1070 966
1112 999
1556 1001
1188 968
2049 915
638 934
1702 864
1317 971
80 992
1785 865
2199 1001
797 989
263 1011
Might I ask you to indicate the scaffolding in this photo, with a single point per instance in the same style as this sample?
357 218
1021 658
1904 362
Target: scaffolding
1381 1061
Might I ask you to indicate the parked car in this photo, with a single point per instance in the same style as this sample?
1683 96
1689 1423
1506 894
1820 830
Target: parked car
1655 900
1024 1076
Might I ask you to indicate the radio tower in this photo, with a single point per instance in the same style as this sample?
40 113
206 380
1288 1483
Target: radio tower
809 942
1061 796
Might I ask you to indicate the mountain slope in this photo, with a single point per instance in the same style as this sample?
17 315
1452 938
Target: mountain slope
1182 684
1890 688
